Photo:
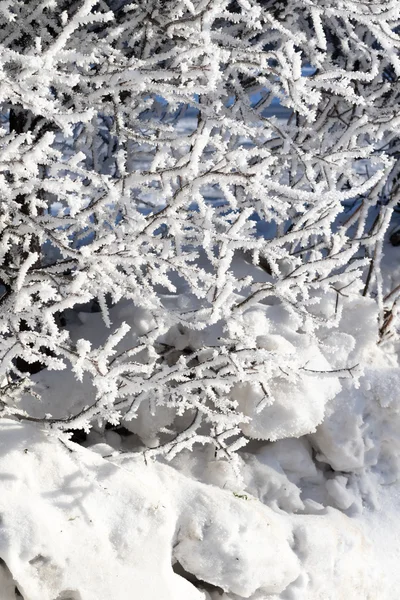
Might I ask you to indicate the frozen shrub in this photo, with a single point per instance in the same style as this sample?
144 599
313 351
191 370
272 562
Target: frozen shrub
201 162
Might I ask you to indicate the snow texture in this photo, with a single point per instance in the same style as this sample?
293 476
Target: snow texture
75 525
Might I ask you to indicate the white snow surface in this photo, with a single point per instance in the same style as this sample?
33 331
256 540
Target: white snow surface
76 526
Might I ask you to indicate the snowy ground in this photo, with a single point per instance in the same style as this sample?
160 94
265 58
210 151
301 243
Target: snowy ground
76 526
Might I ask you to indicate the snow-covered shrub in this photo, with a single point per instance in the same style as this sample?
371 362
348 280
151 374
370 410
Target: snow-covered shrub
144 167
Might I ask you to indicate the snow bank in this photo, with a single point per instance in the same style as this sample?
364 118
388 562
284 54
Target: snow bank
75 526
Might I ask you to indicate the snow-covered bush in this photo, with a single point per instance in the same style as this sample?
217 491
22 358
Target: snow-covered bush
144 167
195 202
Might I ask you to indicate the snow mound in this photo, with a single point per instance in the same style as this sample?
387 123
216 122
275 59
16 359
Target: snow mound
76 526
